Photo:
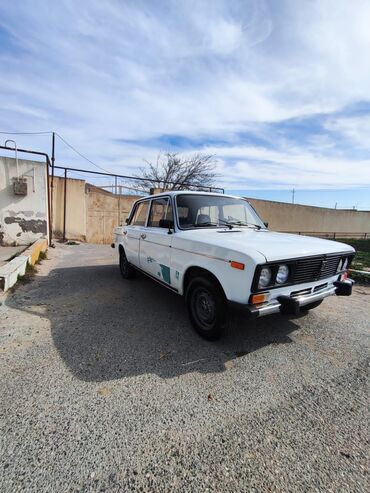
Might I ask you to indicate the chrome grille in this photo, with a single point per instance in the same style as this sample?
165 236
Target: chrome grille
303 270
316 268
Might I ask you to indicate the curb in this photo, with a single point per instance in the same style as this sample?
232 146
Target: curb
17 267
33 252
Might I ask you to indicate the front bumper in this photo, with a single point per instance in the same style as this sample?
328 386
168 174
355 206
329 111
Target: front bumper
293 304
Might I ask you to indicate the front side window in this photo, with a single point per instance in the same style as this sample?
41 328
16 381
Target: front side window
209 211
161 210
140 214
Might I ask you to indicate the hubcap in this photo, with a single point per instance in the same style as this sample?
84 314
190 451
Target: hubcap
204 306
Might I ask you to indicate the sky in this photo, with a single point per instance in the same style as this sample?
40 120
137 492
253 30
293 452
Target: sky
277 91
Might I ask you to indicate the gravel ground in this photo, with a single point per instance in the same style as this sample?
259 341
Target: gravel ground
105 387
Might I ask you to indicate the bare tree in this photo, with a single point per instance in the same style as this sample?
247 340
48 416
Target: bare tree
173 172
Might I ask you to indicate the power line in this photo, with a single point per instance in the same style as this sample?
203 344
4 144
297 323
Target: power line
26 133
81 155
49 132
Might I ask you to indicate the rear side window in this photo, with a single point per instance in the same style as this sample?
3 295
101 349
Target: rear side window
161 209
140 214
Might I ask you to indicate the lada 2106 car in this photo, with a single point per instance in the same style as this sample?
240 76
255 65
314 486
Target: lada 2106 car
214 250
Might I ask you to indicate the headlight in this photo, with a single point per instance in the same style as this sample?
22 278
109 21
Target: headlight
265 277
282 274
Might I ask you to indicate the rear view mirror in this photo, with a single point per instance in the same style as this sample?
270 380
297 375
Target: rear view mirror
266 225
126 220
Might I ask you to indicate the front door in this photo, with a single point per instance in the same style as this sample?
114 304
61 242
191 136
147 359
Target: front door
135 231
155 242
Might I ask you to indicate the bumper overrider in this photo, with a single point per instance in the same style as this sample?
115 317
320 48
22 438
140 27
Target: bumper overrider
293 304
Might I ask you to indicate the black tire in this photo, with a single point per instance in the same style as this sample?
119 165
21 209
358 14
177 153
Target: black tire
207 308
126 269
311 306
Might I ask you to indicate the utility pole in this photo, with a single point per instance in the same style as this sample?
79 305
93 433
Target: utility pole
293 193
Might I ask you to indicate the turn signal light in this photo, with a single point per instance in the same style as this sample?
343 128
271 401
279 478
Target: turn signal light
237 265
259 298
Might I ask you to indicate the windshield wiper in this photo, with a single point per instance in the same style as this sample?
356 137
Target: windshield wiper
220 224
243 223
229 224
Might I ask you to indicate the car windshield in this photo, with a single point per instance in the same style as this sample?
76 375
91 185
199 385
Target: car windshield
211 211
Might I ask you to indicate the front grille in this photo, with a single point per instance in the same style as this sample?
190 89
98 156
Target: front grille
307 269
315 268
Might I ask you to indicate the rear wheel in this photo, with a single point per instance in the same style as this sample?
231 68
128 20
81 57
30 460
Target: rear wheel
207 308
311 306
126 269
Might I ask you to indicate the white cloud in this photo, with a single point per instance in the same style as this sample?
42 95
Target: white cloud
101 71
354 128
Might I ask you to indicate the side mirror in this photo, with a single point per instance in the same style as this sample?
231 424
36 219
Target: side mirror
167 224
126 220
266 225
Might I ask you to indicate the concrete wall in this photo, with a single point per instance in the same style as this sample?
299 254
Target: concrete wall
75 208
91 212
23 219
301 218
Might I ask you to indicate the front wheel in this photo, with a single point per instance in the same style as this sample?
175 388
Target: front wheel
126 269
207 308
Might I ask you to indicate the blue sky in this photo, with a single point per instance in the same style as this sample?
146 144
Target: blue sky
279 92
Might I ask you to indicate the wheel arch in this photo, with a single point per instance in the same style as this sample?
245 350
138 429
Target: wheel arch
196 271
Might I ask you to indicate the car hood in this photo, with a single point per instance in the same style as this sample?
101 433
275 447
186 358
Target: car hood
273 246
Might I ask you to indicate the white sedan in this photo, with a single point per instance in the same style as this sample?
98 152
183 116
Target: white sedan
215 250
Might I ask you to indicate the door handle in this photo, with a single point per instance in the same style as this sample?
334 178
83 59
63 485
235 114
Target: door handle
143 236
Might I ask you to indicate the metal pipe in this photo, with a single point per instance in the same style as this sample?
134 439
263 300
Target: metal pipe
51 184
65 204
49 204
53 153
29 152
16 154
119 206
135 178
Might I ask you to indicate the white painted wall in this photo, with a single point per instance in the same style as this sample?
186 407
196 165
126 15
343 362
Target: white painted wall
23 219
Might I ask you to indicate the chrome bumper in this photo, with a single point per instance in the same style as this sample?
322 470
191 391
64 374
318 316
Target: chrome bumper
293 304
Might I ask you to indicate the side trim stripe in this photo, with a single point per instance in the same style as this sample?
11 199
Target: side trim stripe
157 280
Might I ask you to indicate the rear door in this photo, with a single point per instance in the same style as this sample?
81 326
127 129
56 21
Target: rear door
135 230
155 245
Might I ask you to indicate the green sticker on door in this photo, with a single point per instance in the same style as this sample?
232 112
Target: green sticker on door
166 273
